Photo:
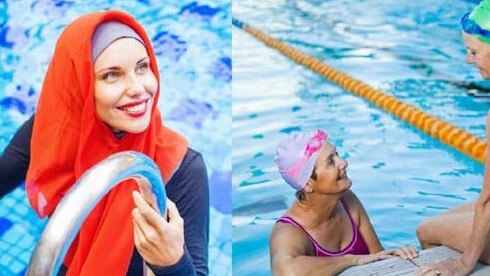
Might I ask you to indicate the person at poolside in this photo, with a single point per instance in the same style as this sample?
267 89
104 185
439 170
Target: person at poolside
100 97
326 230
466 228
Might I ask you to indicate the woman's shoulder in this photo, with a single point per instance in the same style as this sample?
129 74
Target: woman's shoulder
284 230
192 160
351 199
191 155
288 237
289 225
192 169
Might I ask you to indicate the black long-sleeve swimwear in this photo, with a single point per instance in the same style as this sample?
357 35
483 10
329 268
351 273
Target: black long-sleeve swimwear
14 160
188 189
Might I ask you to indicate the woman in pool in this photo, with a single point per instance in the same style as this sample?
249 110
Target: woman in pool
100 97
466 228
326 230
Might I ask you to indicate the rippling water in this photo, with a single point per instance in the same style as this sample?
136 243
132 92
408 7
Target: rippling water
412 50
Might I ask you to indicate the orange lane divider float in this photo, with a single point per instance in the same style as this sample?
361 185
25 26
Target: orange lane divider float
456 137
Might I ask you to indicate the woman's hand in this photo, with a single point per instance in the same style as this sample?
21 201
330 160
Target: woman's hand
159 241
449 267
406 252
366 259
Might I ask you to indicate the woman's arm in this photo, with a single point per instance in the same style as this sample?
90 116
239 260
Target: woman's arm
290 255
14 160
481 221
188 189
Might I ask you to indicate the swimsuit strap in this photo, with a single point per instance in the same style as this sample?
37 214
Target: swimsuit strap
355 231
316 245
358 244
353 224
354 235
290 220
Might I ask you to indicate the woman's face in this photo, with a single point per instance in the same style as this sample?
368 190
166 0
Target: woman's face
478 54
331 171
125 86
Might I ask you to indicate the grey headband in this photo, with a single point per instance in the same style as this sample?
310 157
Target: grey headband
108 32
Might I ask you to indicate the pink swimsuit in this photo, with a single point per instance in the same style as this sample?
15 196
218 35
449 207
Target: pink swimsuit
357 246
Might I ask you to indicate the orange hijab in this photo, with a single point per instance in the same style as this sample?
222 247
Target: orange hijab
68 138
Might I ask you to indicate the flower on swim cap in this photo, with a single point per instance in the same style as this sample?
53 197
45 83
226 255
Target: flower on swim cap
296 156
478 21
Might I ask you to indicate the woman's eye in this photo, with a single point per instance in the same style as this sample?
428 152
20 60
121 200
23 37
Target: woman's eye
143 66
110 76
331 160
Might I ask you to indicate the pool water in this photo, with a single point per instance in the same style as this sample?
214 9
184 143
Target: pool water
192 40
410 49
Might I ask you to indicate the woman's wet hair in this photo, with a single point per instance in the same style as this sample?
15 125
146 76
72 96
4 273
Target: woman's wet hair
301 194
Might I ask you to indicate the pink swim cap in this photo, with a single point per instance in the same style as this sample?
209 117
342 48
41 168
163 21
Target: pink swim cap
296 156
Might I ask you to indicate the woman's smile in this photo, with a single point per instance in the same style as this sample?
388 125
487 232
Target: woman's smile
135 109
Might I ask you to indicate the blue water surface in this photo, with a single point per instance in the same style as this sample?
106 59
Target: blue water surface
192 40
410 49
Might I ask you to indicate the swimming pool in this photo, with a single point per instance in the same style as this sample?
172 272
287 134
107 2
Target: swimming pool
412 50
192 40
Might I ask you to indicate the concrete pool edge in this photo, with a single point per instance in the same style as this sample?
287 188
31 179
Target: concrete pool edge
398 266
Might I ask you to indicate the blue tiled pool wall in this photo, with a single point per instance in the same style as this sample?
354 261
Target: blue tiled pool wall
192 40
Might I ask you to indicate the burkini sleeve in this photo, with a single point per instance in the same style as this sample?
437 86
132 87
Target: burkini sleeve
14 160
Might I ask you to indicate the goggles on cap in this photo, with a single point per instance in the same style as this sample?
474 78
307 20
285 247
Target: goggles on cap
313 145
469 26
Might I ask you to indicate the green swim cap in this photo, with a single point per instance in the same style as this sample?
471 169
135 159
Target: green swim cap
481 16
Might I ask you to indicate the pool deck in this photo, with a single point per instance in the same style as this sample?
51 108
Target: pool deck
398 266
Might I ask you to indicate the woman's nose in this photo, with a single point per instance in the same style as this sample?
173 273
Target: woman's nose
343 163
135 86
469 59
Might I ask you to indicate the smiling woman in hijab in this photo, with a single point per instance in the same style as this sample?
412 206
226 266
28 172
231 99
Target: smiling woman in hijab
99 97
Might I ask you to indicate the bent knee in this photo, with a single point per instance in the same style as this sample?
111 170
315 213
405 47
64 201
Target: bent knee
423 228
425 233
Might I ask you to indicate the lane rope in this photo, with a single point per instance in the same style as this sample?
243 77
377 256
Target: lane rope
453 136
